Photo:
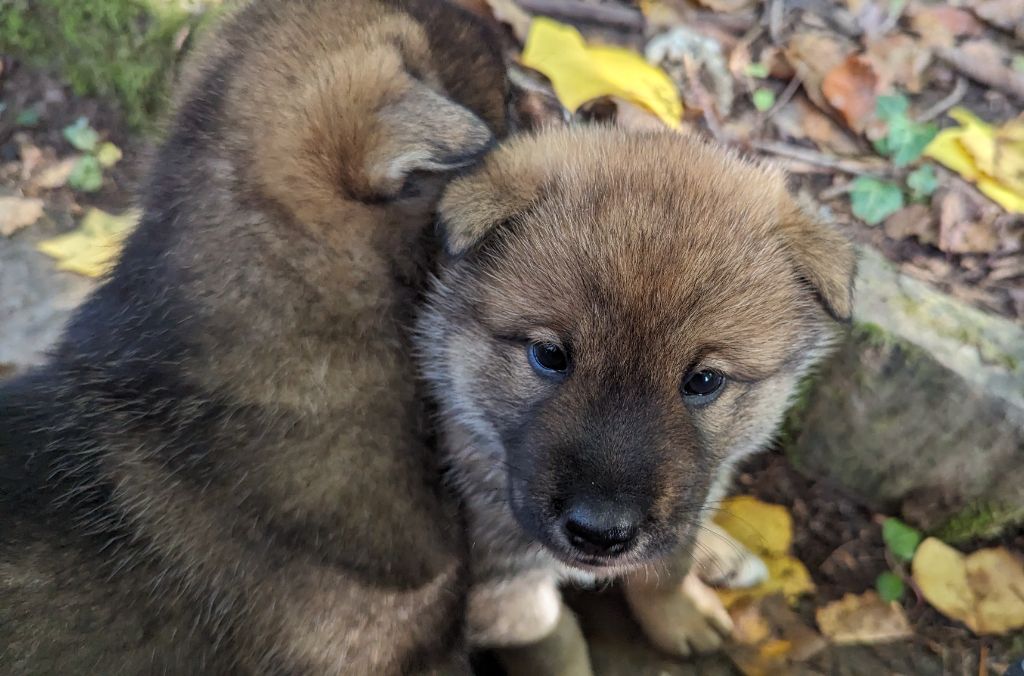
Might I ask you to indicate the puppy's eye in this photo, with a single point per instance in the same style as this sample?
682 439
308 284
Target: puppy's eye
547 359
700 385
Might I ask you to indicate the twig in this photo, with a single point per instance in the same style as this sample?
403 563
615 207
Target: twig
776 13
848 166
835 191
982 659
947 102
577 10
784 97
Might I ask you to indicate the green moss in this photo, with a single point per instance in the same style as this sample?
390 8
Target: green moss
121 50
979 521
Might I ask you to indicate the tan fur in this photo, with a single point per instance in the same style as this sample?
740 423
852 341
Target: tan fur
231 434
644 255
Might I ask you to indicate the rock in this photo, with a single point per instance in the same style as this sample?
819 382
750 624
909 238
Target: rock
921 410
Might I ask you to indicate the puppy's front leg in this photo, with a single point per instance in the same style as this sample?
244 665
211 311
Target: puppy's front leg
524 620
680 615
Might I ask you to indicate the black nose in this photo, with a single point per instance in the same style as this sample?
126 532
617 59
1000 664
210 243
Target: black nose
600 527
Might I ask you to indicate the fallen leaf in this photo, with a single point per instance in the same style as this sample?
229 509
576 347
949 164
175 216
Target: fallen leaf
767 530
763 99
898 61
800 119
916 221
990 157
903 139
922 182
581 72
986 62
900 538
962 230
82 136
18 212
769 638
108 155
27 118
763 528
874 200
92 248
850 89
984 590
939 25
862 619
86 175
890 586
55 175
813 55
696 59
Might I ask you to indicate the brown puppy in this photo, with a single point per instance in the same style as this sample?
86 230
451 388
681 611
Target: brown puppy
623 318
223 468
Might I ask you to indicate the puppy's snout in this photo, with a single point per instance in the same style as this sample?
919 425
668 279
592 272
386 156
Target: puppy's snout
602 528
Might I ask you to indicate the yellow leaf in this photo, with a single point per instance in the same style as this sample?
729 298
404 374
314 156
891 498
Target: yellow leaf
863 619
984 590
92 248
991 157
763 528
581 72
766 530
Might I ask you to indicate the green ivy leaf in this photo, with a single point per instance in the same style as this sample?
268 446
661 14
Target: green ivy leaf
81 135
891 106
901 539
890 586
764 99
86 175
907 139
758 70
922 182
873 200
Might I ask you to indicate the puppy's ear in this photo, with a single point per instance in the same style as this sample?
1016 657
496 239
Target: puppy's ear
532 102
423 131
823 256
475 205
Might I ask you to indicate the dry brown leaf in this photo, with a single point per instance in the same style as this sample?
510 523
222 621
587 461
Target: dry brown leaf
850 88
813 55
55 175
778 65
964 227
941 25
915 221
984 590
864 618
770 638
1005 14
18 212
799 119
899 61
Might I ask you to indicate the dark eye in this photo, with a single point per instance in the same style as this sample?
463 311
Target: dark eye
547 359
702 384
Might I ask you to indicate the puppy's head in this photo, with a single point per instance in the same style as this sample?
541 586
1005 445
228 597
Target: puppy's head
622 318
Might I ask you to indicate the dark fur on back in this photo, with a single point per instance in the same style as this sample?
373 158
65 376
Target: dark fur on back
223 466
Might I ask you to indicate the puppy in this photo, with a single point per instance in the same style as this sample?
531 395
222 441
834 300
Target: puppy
223 468
622 318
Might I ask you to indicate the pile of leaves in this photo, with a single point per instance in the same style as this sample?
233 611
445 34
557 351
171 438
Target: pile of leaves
901 116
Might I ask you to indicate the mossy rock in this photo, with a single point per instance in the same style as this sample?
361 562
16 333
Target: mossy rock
120 50
921 409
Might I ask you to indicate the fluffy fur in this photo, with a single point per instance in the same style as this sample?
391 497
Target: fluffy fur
224 466
644 257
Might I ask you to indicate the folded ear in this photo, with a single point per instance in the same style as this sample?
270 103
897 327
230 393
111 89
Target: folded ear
477 204
422 131
532 102
823 256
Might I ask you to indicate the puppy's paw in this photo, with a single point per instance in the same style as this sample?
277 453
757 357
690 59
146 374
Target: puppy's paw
721 561
681 619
